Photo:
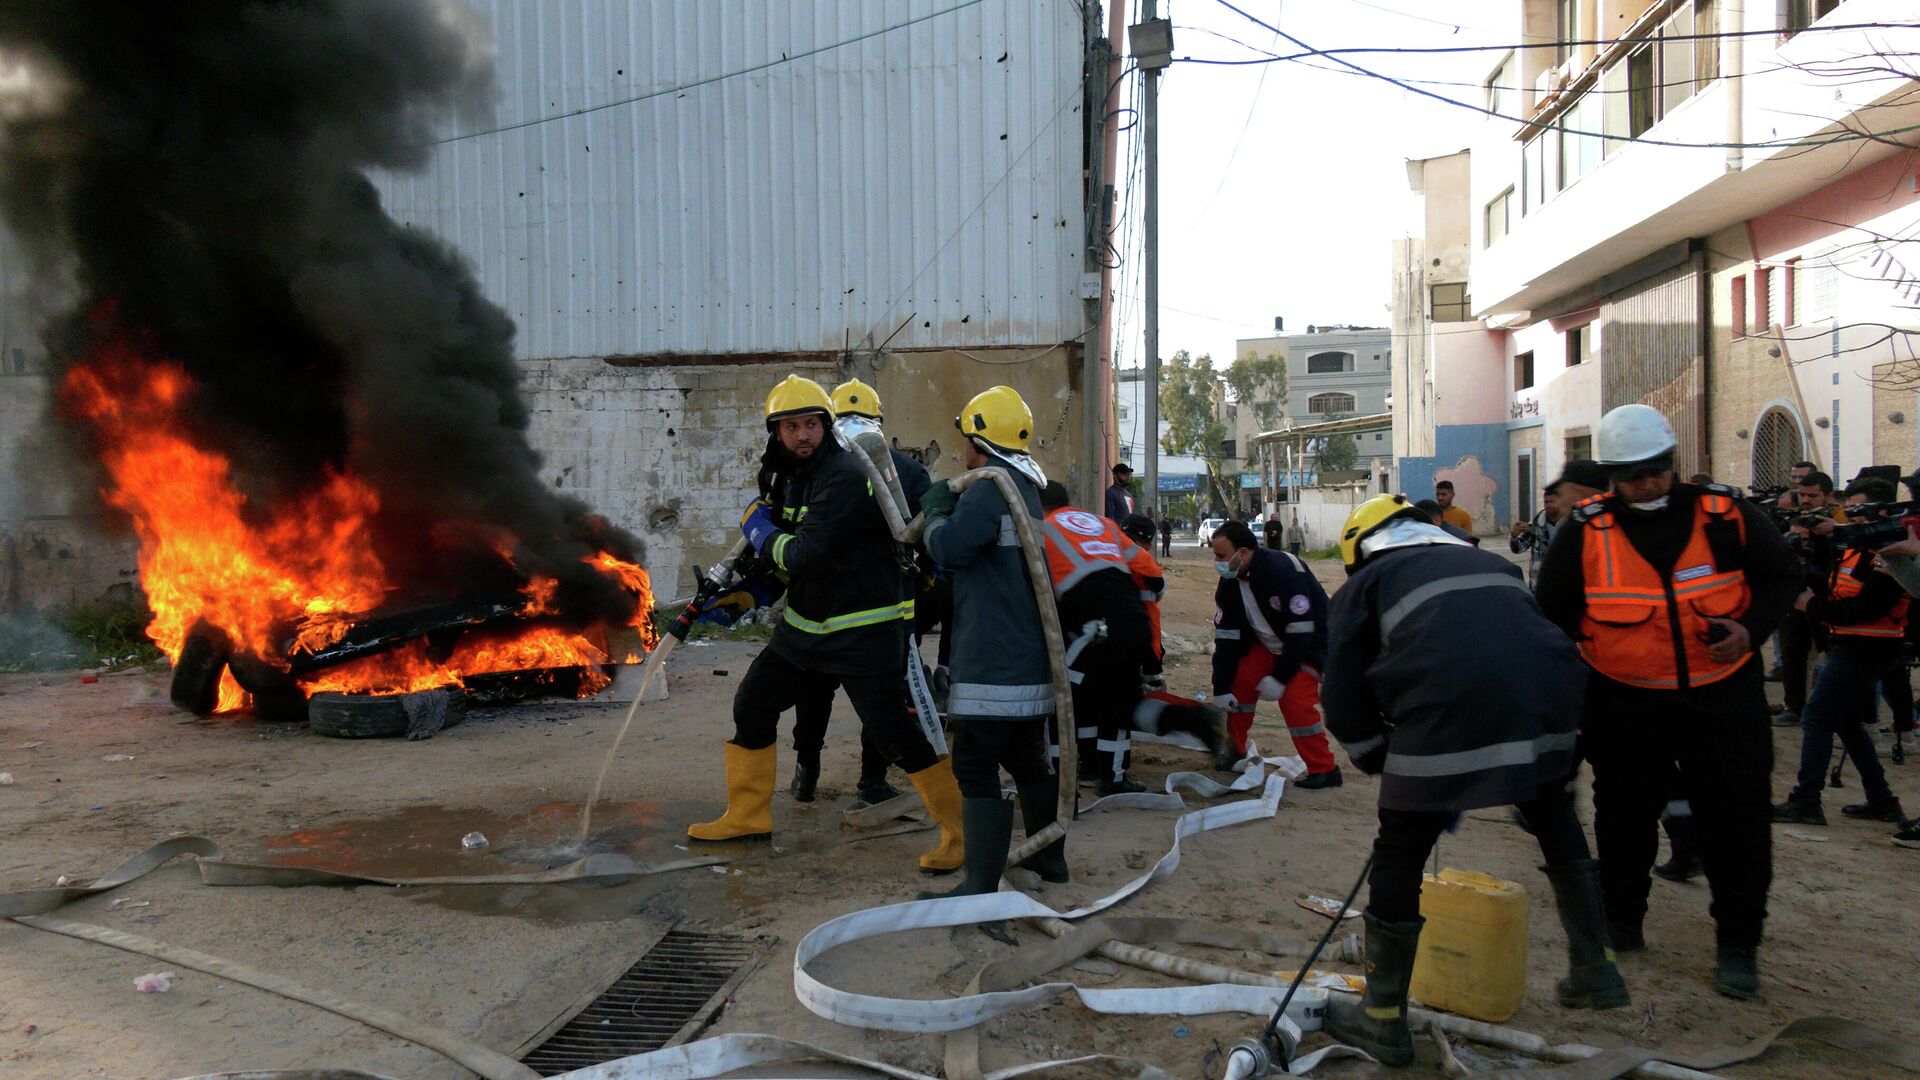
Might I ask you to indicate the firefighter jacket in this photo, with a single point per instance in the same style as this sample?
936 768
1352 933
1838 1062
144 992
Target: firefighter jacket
1275 604
1092 565
1861 603
999 659
848 604
1643 622
1080 545
1440 654
1152 583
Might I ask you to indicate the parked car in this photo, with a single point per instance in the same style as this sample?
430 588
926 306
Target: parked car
1204 534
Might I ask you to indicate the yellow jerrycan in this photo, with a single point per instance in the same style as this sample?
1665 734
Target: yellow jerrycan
1473 951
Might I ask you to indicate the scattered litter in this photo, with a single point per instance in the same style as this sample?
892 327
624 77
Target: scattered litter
700 644
155 982
31 1028
6 779
1329 980
1324 907
1180 1032
1811 838
89 678
128 901
718 869
117 757
679 847
474 841
719 671
98 806
64 880
34 745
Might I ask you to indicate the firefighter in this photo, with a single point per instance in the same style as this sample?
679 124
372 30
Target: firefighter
1669 589
1424 643
1109 639
1270 643
846 618
1162 713
1002 694
854 403
1152 581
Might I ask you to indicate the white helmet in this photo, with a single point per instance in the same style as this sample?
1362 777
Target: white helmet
1633 433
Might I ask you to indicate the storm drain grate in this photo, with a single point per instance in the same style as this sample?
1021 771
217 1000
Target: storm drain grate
666 998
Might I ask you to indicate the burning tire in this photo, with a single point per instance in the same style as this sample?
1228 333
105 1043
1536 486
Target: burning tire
196 673
385 716
281 706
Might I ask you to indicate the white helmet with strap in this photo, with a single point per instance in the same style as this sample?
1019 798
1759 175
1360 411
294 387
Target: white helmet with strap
1633 433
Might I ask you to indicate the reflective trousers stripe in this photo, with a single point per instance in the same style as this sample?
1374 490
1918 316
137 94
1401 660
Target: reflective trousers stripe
1460 762
1315 728
852 619
1364 746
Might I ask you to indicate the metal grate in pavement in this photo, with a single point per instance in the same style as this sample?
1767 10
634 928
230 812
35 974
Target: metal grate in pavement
666 998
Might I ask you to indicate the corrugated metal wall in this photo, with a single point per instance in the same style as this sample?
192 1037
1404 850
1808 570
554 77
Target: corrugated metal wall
932 170
1655 353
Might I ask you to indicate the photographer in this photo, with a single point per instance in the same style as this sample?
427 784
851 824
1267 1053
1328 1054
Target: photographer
1865 613
1807 528
1902 558
1580 479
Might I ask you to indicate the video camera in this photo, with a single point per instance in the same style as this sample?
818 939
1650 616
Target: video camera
1884 523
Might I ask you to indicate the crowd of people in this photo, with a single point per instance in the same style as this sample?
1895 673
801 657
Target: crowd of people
1640 624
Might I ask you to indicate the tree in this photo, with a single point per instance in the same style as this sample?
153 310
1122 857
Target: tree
1260 383
1339 451
1189 392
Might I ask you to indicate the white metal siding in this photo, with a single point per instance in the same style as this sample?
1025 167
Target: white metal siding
789 209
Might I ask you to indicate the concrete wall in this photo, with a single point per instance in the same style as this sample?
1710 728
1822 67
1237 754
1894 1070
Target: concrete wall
1474 457
671 451
1896 394
1323 511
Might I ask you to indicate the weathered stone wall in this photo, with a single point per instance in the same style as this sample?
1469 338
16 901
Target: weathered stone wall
49 558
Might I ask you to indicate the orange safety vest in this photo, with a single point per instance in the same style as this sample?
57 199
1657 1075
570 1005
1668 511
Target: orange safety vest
1628 632
1145 568
1847 582
1079 544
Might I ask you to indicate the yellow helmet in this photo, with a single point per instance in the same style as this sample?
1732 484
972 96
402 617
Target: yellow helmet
998 417
855 398
1368 516
797 394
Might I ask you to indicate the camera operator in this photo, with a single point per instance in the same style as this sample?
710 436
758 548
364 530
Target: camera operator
1580 479
1902 558
1797 475
1811 520
1865 613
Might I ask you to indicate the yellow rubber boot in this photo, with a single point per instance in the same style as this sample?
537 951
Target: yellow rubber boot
749 813
938 790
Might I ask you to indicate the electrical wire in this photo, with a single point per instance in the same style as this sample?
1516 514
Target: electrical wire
785 58
1775 144
1600 43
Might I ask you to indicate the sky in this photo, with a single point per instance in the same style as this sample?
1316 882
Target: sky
1282 186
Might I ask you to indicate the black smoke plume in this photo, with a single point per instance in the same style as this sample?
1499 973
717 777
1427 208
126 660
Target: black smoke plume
198 169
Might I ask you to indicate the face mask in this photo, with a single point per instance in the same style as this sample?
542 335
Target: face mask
1225 569
1649 507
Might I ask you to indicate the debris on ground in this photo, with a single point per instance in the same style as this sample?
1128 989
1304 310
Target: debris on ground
155 982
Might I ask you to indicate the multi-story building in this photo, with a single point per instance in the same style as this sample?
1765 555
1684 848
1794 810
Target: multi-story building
1698 204
1333 373
1180 474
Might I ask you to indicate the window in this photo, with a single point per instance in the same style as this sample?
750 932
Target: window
1124 411
1566 28
1790 298
1496 217
1540 170
1376 436
1737 305
1331 402
1449 303
1580 142
1673 66
1227 449
1503 88
1576 346
1579 448
1327 363
1523 485
1803 13
1762 298
1523 371
1706 41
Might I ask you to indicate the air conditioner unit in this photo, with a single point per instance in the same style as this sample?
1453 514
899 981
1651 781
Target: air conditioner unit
1549 83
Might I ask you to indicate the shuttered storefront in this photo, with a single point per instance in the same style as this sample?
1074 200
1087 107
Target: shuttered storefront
1654 352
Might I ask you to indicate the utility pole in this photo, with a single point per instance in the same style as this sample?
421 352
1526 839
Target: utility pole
1151 41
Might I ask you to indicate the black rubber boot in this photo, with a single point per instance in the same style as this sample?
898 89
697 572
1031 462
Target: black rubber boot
1593 982
1685 863
1737 975
1377 1023
805 779
1318 781
987 827
1039 805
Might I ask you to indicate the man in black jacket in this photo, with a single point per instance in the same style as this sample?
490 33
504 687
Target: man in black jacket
1668 589
845 622
1425 641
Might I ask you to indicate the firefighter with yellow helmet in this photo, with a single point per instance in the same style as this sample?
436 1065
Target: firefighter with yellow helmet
1424 641
848 608
1002 692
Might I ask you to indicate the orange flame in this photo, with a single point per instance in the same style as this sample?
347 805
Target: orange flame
207 553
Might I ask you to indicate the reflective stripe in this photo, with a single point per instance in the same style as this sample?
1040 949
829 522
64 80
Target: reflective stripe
1679 808
1226 635
1083 565
1315 728
1083 571
988 699
1460 762
1009 537
1262 629
1149 597
1432 589
780 549
1304 626
1356 749
852 619
1869 630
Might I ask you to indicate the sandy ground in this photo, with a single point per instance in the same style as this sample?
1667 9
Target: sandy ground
497 965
